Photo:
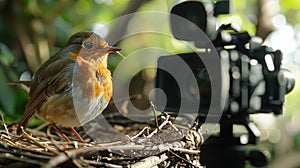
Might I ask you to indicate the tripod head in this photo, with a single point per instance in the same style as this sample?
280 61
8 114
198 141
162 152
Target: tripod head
228 149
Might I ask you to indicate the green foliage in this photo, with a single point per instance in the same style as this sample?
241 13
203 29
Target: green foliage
289 4
8 100
290 8
11 99
6 56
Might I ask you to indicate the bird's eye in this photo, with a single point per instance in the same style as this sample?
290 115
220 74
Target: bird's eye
88 45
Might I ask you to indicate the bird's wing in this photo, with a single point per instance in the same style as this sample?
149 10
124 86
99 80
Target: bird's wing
54 77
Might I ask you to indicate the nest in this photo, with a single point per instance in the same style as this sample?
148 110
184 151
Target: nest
160 142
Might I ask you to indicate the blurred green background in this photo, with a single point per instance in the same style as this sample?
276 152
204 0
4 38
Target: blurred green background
32 30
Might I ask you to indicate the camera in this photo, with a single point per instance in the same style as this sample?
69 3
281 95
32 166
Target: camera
231 76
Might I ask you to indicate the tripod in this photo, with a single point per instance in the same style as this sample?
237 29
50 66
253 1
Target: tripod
228 149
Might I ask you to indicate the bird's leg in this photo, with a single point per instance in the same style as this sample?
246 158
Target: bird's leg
61 133
76 134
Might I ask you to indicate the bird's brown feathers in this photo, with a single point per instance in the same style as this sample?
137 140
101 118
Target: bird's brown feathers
47 82
55 76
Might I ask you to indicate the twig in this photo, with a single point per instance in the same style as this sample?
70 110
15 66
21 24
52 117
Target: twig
63 157
24 153
26 160
108 144
140 133
150 161
160 148
197 123
183 150
187 161
37 142
4 125
36 132
160 127
80 163
98 163
154 113
175 128
49 135
8 140
53 141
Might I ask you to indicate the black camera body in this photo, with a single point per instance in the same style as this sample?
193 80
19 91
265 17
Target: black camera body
252 75
232 76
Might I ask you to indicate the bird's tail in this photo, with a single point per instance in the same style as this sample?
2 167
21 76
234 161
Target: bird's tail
23 123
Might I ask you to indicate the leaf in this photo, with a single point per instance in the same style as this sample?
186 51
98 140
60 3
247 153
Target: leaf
5 55
7 96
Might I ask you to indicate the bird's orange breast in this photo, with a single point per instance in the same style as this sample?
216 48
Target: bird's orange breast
103 83
94 79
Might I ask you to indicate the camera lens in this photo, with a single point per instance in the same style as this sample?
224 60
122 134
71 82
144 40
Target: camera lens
286 79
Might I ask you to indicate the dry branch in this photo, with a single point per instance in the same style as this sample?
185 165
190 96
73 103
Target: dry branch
150 161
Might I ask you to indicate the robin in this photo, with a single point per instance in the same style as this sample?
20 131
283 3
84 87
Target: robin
73 86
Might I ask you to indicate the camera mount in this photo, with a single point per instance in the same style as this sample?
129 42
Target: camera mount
228 149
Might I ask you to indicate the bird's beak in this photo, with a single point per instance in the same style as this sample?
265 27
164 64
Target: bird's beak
112 49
